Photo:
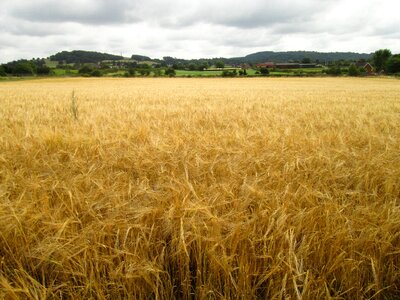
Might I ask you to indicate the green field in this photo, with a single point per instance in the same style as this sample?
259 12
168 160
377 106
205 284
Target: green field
198 73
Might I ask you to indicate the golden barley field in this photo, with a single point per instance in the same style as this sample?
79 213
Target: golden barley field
273 188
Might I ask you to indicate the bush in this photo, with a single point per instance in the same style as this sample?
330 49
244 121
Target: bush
393 64
23 68
86 70
157 72
220 64
170 72
144 72
131 72
2 71
43 70
334 70
96 73
353 70
227 73
264 71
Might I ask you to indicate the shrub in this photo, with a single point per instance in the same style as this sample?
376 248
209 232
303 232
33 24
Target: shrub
43 70
264 71
2 71
227 73
170 72
96 73
353 70
86 70
131 72
393 64
334 70
23 68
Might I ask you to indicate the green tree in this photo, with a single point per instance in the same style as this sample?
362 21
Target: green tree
157 72
23 68
2 71
353 70
334 70
393 64
170 72
264 71
227 73
380 58
131 72
220 64
202 66
43 70
144 72
96 73
192 67
85 70
306 60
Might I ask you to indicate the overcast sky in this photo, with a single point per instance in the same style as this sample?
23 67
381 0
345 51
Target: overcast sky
196 28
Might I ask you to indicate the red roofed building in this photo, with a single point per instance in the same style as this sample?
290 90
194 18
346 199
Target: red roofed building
266 65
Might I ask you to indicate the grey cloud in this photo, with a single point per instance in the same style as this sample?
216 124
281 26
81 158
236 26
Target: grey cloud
234 13
84 12
192 28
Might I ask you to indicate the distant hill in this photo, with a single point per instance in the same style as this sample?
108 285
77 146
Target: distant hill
140 57
79 56
299 56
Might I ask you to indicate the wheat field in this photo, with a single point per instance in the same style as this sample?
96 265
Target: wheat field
273 188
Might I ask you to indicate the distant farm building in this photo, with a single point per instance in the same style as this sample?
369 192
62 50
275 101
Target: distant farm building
244 66
286 65
308 66
268 65
366 66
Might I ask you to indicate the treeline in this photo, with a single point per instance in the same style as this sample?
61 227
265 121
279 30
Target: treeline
383 61
133 70
298 56
80 56
25 67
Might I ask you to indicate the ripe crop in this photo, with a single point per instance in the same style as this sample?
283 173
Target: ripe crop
200 188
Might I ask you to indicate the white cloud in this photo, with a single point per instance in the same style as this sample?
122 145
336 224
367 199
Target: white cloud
196 28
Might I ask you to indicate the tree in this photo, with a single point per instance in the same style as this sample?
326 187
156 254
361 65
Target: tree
393 64
227 73
144 72
202 66
380 58
353 70
23 68
86 70
306 60
220 64
170 72
264 71
131 72
192 67
157 72
96 73
2 71
334 70
43 70
143 66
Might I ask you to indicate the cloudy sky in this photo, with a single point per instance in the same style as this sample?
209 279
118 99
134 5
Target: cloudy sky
196 28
